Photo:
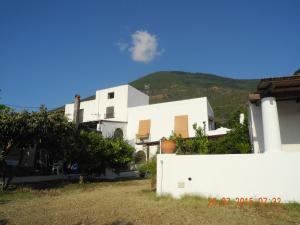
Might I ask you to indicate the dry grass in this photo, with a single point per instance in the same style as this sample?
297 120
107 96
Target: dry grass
129 202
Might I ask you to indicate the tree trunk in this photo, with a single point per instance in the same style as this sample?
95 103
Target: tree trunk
6 176
81 179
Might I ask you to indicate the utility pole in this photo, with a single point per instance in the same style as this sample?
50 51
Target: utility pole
76 110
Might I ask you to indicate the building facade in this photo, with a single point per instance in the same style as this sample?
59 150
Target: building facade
127 109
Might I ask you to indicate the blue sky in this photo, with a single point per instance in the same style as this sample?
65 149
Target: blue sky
50 50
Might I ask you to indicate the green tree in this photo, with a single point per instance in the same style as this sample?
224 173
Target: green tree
22 130
236 141
15 132
196 145
94 153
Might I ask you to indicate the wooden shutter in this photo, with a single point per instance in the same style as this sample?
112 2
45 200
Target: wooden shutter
181 126
144 128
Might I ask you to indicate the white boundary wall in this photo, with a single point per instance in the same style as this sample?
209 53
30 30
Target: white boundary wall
273 175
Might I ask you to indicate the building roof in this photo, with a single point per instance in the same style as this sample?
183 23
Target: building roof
282 88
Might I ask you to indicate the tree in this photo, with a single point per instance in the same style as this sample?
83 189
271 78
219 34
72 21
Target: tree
15 132
23 130
196 145
94 153
236 141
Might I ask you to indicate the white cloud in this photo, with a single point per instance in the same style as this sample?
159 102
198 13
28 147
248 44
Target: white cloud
144 46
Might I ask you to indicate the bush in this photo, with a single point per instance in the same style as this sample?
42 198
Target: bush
196 145
150 168
236 141
94 153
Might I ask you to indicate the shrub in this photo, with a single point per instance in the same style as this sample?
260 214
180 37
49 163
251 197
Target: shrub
94 153
196 145
150 168
236 141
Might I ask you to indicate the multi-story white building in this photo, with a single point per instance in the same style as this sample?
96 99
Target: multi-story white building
127 110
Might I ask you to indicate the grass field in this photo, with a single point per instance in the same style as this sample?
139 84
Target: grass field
129 202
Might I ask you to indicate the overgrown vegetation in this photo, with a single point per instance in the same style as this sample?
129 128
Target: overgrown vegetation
60 140
94 153
196 145
20 131
236 141
149 168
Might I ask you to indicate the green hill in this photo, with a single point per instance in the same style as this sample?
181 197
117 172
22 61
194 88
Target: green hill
225 94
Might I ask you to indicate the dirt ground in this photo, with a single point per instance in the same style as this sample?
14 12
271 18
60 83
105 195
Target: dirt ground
130 202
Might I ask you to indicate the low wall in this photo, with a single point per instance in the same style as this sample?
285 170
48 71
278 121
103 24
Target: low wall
270 175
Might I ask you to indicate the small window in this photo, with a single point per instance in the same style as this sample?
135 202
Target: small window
110 112
111 95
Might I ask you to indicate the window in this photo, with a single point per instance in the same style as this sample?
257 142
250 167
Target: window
111 95
110 112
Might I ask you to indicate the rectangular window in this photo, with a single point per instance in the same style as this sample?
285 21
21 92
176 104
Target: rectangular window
110 112
111 95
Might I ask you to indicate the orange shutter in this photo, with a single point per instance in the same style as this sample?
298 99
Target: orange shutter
144 128
181 126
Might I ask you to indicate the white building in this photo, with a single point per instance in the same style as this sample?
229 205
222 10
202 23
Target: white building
143 125
272 175
275 115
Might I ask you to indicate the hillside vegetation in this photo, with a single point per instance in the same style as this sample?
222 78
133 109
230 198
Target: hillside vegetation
225 95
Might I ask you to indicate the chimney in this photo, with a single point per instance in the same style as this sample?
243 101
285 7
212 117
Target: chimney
76 110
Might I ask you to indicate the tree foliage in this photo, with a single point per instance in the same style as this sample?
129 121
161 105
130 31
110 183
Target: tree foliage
234 142
196 145
94 153
41 129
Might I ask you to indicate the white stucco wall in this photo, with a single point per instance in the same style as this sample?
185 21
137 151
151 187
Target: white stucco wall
136 97
231 176
124 97
162 117
289 122
119 102
108 128
89 110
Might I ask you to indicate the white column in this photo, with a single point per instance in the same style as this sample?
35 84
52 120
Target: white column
271 129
